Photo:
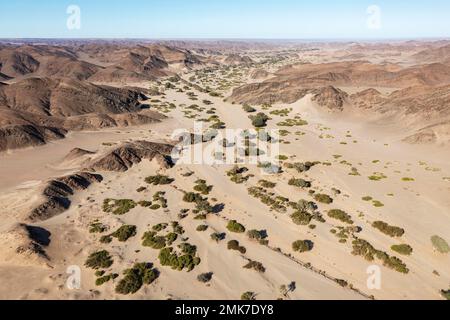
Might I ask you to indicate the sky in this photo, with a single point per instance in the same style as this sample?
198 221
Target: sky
232 19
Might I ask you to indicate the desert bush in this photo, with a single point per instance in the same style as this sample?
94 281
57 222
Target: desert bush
301 167
202 227
256 234
234 245
255 265
404 249
102 280
440 244
248 296
169 258
159 180
234 226
124 233
140 274
152 240
205 277
248 108
171 238
445 294
387 229
159 227
299 183
99 260
302 218
192 197
145 204
340 215
141 189
363 248
202 187
106 239
97 227
323 198
118 207
302 245
259 120
216 236
267 184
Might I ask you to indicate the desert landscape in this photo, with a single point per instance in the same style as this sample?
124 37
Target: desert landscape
100 200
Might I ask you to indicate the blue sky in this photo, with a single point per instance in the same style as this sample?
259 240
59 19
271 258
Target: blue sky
267 19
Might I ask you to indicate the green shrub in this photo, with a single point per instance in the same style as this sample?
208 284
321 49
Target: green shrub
340 215
323 198
102 280
387 229
140 274
365 249
159 227
216 236
302 218
440 244
124 233
302 245
234 245
234 226
97 228
202 187
118 207
255 265
259 120
169 258
202 227
145 204
267 184
404 249
152 240
159 180
299 183
106 239
99 260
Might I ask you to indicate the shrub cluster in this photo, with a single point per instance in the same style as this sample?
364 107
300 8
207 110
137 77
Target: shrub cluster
99 260
340 215
363 248
118 207
159 180
259 120
136 277
299 183
124 233
387 229
404 249
167 257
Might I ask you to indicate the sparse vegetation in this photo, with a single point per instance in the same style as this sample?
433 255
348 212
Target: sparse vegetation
299 183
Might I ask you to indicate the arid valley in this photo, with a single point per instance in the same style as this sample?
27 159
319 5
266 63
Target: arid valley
95 204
